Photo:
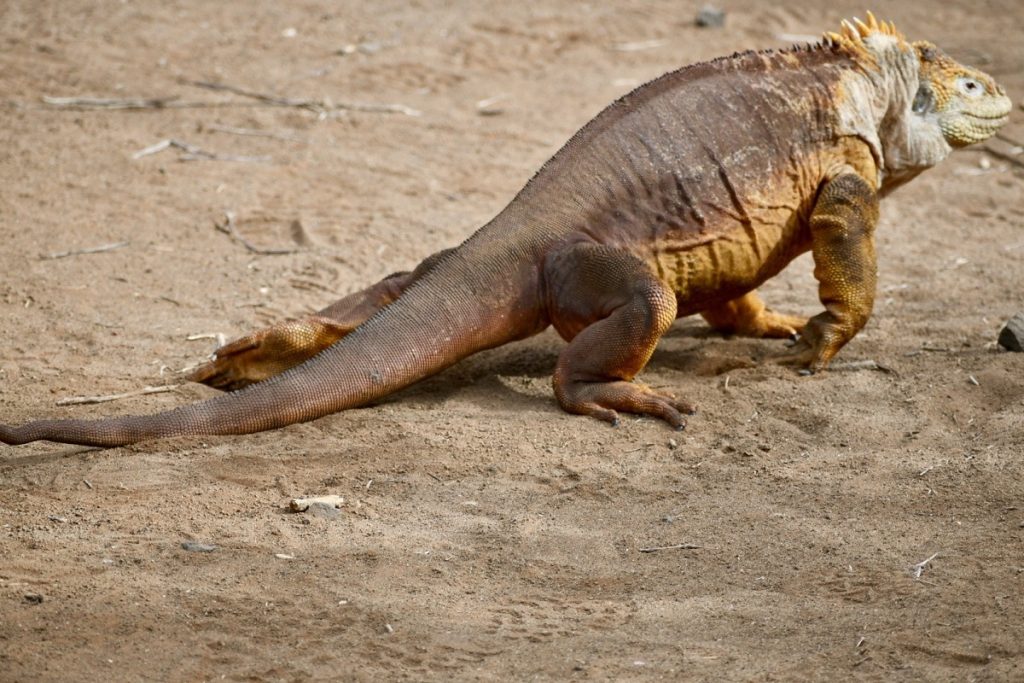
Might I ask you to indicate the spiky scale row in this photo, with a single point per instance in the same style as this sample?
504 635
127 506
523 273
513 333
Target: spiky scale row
854 33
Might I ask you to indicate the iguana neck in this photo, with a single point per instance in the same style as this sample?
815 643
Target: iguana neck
875 105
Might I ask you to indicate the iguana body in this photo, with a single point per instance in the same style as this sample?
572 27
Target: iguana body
680 198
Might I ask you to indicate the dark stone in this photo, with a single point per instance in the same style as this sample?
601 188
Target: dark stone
1011 337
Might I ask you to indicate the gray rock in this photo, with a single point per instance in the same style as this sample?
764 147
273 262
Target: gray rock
324 510
1011 337
195 547
710 16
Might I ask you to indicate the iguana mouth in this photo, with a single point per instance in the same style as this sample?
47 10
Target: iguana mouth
1000 118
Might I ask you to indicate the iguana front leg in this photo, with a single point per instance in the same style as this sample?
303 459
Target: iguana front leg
842 242
748 317
272 350
613 310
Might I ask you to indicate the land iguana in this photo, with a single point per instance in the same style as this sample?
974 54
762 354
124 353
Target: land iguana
681 197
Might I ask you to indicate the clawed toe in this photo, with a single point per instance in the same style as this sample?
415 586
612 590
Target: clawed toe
604 400
268 352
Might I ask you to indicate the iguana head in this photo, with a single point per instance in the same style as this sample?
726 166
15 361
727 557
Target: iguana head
966 104
911 102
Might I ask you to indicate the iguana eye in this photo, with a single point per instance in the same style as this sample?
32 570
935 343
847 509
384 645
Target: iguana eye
970 87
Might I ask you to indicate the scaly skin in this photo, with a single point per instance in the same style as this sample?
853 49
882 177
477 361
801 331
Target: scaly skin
680 198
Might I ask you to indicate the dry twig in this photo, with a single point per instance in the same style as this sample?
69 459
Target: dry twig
678 546
111 102
1011 141
87 250
259 100
1013 159
253 132
862 365
918 568
89 400
638 46
193 153
321 107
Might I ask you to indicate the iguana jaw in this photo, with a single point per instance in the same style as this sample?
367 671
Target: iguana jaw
968 129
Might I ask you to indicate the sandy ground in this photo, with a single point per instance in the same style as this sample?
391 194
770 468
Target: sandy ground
485 533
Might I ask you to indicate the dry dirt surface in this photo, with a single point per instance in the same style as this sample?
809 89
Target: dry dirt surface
485 534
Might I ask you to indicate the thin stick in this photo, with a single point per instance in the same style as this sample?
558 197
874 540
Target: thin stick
638 45
89 400
861 365
109 102
229 229
937 349
1013 159
193 153
679 546
1006 138
152 149
317 106
254 132
262 100
919 567
87 250
137 103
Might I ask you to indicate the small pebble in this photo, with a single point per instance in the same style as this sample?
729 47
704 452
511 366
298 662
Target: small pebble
710 16
195 547
324 510
33 598
673 444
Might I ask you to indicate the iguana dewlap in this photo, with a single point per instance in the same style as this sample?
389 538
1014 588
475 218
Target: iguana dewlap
680 198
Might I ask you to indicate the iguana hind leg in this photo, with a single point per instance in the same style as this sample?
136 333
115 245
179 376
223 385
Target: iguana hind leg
748 317
272 350
613 310
843 246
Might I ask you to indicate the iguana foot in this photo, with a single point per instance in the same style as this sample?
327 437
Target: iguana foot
603 399
820 341
778 326
748 317
268 352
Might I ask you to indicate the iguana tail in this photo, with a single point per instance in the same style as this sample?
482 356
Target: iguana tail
472 300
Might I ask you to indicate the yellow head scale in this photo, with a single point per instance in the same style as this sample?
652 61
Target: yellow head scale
969 105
